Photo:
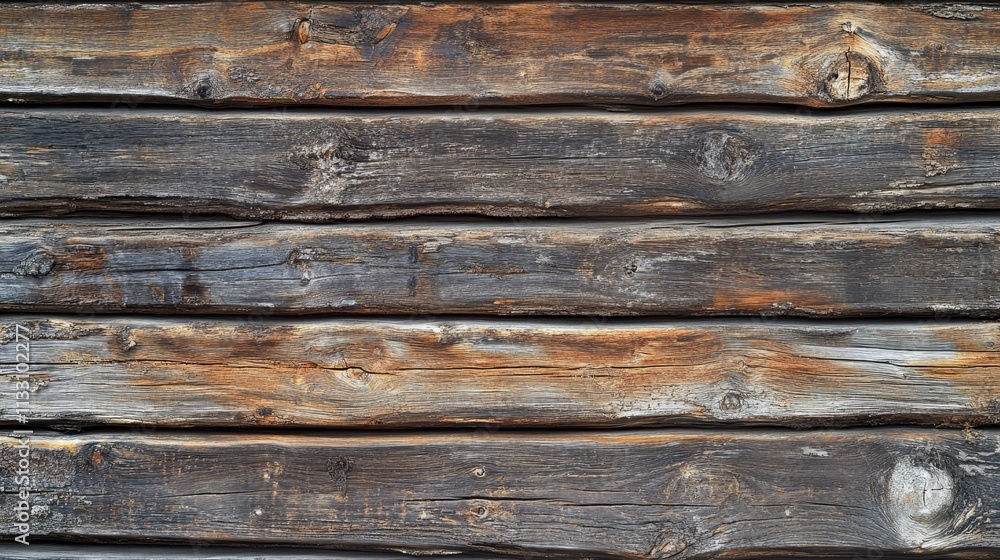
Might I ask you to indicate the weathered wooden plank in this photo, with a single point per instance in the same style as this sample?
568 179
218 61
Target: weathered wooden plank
241 53
394 373
810 265
258 552
320 166
658 494
195 550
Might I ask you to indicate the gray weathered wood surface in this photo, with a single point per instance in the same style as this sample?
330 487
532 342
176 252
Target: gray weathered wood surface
73 551
322 165
252 53
648 494
250 417
196 550
258 552
204 372
66 551
824 266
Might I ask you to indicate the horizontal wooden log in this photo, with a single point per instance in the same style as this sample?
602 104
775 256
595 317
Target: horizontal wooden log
194 550
649 494
66 551
829 266
321 166
258 552
392 373
254 53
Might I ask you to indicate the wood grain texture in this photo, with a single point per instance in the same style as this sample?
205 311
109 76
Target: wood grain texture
253 53
649 494
258 552
322 166
210 372
824 266
196 550
67 551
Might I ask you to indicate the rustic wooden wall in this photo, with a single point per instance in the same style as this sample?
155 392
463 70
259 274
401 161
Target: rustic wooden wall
507 280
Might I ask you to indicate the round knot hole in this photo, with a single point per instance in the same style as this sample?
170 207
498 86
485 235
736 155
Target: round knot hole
658 90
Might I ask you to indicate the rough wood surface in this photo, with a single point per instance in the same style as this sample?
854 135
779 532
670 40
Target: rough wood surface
196 550
393 373
241 53
828 266
318 166
680 494
68 551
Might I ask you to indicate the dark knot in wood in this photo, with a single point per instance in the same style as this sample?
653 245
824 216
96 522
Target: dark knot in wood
731 402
